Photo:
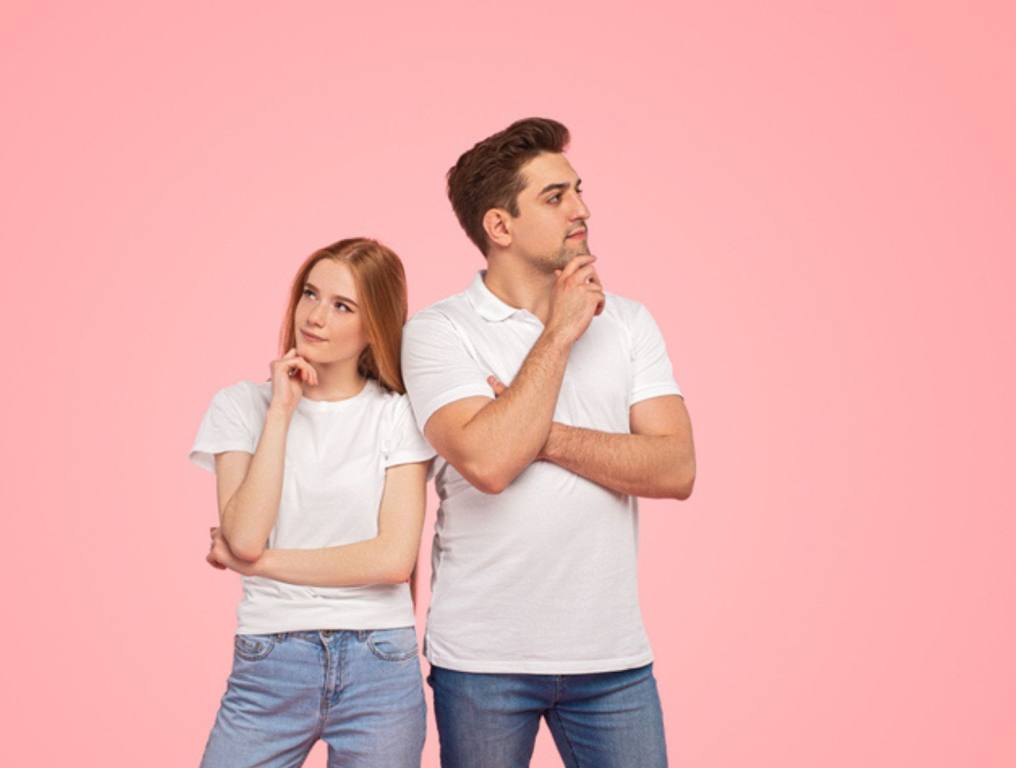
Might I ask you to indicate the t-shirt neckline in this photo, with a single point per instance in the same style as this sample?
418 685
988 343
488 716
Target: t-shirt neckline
316 406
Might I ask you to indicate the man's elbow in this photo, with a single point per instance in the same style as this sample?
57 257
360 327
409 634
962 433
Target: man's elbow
486 478
682 482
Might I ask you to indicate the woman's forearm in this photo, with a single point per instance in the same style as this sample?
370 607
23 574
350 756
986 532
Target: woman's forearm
373 561
249 515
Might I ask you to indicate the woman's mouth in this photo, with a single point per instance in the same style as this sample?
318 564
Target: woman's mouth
308 336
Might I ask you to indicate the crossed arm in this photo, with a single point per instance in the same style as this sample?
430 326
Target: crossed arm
388 558
656 460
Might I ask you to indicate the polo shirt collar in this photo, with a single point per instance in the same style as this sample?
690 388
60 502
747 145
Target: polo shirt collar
489 306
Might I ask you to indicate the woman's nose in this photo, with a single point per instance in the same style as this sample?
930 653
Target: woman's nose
319 314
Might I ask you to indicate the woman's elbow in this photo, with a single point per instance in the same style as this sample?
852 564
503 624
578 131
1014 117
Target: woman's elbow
397 572
248 551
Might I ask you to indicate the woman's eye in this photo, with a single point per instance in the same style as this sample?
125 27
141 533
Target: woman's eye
308 293
342 307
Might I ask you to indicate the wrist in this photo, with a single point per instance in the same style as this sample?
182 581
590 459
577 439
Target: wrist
557 339
549 450
279 412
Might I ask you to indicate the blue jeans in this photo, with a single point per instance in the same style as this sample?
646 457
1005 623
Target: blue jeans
359 690
603 720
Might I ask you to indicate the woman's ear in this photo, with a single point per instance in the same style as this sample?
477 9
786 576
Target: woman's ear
497 225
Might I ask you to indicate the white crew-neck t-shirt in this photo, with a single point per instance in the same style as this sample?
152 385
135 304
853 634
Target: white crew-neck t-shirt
540 578
336 456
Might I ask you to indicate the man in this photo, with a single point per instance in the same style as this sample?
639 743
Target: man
552 405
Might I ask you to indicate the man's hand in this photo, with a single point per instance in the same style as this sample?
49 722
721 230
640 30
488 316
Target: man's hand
221 557
576 298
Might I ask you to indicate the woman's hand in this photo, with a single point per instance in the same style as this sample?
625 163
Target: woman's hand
221 557
289 374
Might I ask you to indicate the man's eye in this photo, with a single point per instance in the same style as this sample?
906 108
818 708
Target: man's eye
555 199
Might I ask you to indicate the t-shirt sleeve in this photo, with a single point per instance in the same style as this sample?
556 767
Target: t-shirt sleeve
224 427
405 443
653 374
437 367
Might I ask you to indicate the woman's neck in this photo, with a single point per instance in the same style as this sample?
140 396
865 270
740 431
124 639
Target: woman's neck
336 381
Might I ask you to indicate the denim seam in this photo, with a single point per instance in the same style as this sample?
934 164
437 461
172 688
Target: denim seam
564 732
264 648
390 656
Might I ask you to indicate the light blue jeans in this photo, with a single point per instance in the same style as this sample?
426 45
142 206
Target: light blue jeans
359 690
602 720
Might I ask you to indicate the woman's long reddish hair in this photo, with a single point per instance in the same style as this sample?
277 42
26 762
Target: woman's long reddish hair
381 293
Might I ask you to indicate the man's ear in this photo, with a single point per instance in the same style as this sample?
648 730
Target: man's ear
497 225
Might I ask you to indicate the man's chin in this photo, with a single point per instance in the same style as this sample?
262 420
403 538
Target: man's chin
569 252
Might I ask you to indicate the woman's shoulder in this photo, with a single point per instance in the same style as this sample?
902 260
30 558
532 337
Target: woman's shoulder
247 396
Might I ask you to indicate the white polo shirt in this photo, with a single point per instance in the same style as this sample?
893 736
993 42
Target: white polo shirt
540 578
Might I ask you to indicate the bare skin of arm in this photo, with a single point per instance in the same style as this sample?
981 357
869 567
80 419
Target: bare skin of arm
250 488
657 460
388 558
490 441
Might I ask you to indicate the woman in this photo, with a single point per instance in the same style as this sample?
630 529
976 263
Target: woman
320 476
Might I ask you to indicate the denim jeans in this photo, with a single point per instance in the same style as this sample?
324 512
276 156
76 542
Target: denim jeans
359 690
602 720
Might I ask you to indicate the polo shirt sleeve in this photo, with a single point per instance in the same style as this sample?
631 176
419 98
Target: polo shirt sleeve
226 426
405 444
437 367
652 373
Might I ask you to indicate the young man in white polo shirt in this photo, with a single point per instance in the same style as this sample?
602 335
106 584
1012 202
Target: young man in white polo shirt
553 406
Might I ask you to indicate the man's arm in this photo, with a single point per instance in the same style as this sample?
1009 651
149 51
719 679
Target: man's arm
656 461
490 441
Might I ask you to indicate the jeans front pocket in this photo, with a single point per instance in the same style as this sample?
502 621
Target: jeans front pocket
393 644
254 647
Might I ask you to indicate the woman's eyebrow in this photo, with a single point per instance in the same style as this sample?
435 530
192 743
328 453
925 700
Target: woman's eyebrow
338 296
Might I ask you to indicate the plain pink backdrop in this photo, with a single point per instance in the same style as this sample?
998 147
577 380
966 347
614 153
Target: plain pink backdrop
816 200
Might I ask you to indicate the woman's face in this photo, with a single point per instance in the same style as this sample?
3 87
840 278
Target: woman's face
327 323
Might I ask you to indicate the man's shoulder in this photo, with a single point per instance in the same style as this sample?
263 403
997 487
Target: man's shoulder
622 309
444 311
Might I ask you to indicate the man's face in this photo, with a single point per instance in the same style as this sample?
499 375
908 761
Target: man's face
551 226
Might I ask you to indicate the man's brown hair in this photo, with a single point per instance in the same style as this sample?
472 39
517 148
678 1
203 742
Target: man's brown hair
487 176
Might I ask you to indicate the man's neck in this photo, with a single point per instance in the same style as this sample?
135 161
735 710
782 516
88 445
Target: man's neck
519 285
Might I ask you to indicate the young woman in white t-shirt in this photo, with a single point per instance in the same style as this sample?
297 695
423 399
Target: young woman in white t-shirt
321 477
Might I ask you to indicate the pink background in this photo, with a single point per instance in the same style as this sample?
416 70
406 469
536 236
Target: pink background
816 200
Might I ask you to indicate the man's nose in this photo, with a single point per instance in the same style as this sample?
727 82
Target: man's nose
581 210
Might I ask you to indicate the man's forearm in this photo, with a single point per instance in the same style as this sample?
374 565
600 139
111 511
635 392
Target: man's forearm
506 435
653 466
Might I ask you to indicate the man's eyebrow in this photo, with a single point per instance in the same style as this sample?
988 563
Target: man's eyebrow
345 299
560 186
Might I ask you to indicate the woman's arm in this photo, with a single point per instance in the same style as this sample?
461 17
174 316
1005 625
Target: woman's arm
388 558
250 487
